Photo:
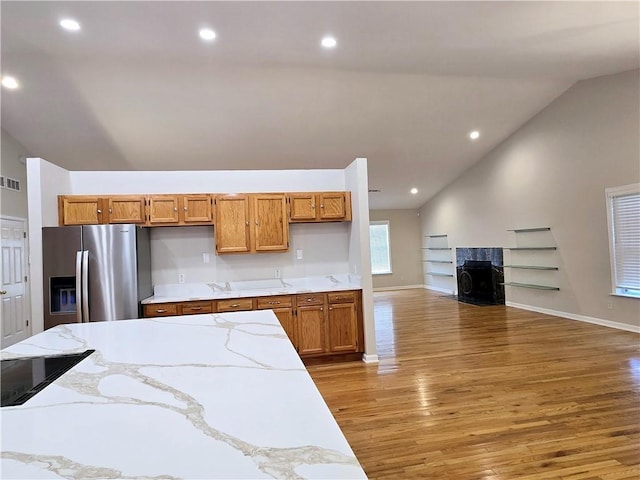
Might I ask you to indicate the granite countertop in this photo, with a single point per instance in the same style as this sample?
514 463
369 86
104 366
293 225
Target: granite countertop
204 396
177 292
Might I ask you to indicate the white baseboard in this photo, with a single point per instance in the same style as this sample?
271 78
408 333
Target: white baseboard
438 289
401 287
370 358
573 316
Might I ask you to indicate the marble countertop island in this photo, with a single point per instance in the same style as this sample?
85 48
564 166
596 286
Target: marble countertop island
197 397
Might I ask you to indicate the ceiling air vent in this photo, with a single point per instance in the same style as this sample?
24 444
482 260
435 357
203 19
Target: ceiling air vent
10 184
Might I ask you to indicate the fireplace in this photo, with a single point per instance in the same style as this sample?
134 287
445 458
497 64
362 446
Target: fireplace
480 276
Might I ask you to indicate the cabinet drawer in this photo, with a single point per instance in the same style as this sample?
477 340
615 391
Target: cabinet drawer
193 308
160 310
237 305
274 302
310 299
342 297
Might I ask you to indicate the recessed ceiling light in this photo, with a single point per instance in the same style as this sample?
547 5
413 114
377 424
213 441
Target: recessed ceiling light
70 24
329 42
9 82
414 190
207 34
473 135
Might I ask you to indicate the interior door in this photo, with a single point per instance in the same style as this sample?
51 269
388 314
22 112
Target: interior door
14 302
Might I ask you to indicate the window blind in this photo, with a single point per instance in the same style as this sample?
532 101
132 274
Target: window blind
625 217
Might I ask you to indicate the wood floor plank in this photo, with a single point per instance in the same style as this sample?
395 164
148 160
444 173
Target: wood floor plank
467 392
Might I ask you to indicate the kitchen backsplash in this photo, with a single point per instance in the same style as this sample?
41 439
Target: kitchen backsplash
183 251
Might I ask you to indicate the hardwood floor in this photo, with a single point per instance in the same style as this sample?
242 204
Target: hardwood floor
466 392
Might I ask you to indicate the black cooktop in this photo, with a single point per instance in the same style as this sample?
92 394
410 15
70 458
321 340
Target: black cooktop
22 378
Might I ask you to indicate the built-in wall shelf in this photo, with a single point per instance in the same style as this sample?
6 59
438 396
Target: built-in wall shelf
530 267
528 230
531 248
529 285
530 241
437 254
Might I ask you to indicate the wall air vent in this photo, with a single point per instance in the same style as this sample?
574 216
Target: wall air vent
374 190
10 184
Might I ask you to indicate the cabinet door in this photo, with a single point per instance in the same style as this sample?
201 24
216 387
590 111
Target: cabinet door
271 228
311 330
232 224
343 327
163 209
287 320
302 207
126 209
332 206
196 209
79 210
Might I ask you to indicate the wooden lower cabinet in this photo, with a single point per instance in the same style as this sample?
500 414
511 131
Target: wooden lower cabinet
311 330
318 324
282 306
161 310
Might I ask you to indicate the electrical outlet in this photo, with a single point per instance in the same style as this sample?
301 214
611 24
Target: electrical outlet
181 278
610 305
205 257
299 254
276 273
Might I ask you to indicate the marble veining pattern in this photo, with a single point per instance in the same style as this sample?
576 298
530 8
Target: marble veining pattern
252 288
204 396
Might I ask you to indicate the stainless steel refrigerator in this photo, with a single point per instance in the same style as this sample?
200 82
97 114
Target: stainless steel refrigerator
94 273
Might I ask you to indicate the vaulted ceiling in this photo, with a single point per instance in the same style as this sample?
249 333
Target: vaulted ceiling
136 88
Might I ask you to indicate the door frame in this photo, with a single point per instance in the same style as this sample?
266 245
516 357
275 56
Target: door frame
26 270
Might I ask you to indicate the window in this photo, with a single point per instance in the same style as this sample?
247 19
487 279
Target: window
623 216
380 249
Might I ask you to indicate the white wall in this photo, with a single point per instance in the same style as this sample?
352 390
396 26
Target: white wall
406 254
45 182
553 172
12 165
359 248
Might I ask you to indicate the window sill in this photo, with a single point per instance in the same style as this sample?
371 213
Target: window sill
383 273
625 295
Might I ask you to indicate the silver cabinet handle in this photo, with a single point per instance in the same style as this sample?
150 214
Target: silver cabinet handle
99 211
234 305
309 299
196 308
321 205
274 303
110 211
247 223
185 209
175 209
160 310
330 308
322 309
257 222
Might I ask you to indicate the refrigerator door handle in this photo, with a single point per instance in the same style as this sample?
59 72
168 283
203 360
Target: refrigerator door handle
79 286
85 286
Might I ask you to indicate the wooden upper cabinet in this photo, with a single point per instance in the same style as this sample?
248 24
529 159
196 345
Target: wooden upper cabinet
196 209
163 209
232 224
126 209
319 207
333 206
302 207
270 224
79 210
